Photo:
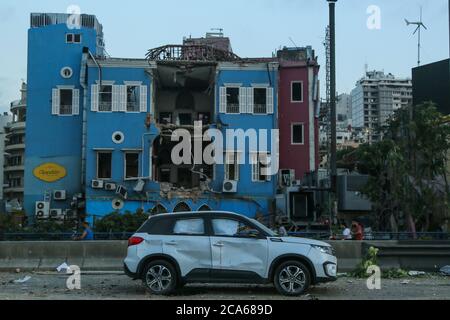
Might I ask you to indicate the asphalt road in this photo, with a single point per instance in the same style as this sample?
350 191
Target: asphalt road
52 286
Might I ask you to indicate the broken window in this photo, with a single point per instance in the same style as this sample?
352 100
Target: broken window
297 91
260 164
164 175
232 100
131 165
232 166
105 99
185 178
260 100
185 119
133 99
204 117
165 118
66 100
104 164
297 133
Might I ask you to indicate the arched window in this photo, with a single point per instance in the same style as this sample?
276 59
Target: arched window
204 208
182 207
159 209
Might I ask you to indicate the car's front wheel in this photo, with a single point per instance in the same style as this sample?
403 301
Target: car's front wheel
160 278
292 278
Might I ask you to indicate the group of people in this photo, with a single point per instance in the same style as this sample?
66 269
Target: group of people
356 232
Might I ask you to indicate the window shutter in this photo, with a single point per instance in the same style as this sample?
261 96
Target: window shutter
115 98
251 101
76 102
255 166
94 97
270 109
223 100
143 99
55 101
242 100
123 98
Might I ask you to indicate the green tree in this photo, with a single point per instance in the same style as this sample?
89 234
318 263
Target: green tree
407 169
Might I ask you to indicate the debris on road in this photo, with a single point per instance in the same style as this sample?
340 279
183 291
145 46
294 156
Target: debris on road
63 268
445 270
416 273
405 282
21 281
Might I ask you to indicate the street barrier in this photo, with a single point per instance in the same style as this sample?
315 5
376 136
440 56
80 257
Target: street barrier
109 255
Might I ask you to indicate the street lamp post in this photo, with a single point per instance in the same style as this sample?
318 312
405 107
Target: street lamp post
332 4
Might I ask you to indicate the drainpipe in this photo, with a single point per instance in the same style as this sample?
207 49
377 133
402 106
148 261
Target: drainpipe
84 84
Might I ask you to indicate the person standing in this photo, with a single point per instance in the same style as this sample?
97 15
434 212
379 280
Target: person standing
346 233
357 231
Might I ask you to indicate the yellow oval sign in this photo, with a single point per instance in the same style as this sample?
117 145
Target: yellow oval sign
50 172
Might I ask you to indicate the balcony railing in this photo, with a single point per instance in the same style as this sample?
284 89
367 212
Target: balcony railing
232 108
65 109
260 109
105 107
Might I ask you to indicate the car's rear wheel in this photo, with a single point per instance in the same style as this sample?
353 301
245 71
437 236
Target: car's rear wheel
292 278
160 277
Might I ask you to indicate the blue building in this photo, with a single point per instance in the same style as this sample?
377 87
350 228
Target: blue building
100 130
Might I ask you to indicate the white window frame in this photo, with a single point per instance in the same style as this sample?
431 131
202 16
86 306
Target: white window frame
125 153
138 103
98 152
236 156
56 107
106 84
257 167
226 99
252 103
292 91
292 133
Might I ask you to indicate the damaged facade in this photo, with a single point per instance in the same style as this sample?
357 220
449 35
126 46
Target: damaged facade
101 128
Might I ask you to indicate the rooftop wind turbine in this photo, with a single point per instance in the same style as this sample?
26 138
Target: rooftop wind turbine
419 27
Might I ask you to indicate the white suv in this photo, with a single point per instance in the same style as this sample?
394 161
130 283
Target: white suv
171 250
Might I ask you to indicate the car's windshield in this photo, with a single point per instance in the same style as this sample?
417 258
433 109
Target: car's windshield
264 228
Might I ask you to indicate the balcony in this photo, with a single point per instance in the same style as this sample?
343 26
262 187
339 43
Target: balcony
19 146
17 126
14 168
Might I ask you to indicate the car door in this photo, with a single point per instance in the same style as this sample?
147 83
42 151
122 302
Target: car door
237 255
189 244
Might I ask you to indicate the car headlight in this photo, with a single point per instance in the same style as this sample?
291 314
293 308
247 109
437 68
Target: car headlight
326 250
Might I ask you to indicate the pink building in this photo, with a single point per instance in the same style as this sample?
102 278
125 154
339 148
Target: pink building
299 102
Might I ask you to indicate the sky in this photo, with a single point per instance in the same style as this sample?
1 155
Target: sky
256 27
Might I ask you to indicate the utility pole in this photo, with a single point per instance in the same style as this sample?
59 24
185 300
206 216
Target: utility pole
332 26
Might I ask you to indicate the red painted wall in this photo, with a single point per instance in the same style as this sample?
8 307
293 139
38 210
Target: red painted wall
295 156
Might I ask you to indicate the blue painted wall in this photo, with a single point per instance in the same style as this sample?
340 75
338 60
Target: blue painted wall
52 138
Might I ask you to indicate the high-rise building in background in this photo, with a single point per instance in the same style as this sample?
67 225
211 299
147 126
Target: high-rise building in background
15 149
5 118
376 97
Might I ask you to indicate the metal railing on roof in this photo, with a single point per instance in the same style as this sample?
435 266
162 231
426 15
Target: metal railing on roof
194 53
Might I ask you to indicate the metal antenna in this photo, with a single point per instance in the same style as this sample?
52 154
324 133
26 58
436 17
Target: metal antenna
295 45
419 25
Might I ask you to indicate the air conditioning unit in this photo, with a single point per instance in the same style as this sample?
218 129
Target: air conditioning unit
97 184
122 191
69 214
60 195
287 177
230 186
56 214
110 186
42 209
